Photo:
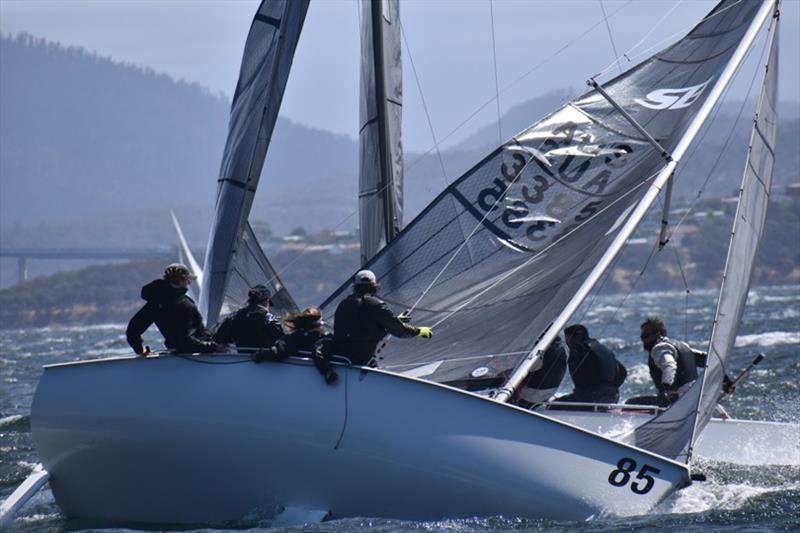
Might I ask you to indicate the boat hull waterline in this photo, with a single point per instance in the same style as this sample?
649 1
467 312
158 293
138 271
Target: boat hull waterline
171 440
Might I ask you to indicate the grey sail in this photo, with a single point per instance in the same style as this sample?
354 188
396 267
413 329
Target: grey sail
670 434
380 189
267 59
498 254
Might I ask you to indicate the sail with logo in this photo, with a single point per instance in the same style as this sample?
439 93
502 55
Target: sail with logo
500 253
234 259
672 433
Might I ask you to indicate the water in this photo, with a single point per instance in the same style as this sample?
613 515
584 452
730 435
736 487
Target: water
735 498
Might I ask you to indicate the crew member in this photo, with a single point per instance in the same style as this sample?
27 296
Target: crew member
673 364
362 320
593 367
308 336
174 313
543 381
252 326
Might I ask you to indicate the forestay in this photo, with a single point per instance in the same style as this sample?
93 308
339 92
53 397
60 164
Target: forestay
495 257
380 189
670 433
232 251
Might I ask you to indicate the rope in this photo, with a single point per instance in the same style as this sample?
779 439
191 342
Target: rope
496 83
610 36
427 113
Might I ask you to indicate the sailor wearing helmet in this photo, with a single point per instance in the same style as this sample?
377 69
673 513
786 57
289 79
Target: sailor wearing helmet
174 313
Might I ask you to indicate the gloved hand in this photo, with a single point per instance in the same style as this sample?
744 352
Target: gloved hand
331 377
425 332
667 396
404 316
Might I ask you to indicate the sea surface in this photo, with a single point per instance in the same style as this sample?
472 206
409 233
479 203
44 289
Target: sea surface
734 498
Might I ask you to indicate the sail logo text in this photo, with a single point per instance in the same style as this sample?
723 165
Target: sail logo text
673 98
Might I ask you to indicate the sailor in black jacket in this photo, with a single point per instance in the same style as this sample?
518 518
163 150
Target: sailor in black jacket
594 369
308 336
362 320
251 326
173 312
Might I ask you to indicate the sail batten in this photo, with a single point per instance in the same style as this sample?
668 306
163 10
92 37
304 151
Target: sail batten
380 149
232 251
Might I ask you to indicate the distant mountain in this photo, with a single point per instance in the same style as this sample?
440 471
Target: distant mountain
96 152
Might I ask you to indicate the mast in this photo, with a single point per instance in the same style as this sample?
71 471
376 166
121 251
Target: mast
639 212
380 162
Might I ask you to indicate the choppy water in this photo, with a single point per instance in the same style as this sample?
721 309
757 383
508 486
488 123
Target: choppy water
735 498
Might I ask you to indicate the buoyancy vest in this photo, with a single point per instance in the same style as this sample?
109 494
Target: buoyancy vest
596 366
687 365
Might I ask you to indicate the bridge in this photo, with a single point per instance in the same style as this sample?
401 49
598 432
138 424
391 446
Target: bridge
22 255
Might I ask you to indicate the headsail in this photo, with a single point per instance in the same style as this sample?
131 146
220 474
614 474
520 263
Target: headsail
480 263
268 55
380 189
670 433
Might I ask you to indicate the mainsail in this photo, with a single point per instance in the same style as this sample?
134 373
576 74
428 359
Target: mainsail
670 433
497 256
380 189
232 251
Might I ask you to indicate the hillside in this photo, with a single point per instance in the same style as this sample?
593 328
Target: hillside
94 153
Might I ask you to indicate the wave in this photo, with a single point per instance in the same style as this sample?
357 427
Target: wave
770 338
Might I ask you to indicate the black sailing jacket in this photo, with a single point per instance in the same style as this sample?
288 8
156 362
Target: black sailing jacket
361 322
251 326
175 315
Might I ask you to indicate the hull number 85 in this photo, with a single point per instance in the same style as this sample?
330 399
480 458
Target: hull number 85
622 475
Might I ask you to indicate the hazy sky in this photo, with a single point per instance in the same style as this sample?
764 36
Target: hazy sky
450 44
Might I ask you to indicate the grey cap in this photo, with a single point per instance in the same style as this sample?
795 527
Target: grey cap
365 277
178 270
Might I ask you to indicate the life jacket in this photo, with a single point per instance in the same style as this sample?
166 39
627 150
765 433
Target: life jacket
686 361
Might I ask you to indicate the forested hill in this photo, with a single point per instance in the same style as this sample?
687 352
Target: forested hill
84 136
94 153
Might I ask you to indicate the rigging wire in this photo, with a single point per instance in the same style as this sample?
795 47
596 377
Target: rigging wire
610 36
725 145
665 40
496 83
427 113
530 71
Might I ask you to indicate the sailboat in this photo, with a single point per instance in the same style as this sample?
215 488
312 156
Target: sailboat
498 263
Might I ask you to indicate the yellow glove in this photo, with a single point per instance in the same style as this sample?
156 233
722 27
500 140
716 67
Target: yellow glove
425 332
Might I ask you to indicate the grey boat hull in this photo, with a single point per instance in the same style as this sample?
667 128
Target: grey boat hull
214 439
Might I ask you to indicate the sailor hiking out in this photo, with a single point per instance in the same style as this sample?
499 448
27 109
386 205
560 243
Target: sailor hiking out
174 313
308 336
673 364
362 320
593 367
252 326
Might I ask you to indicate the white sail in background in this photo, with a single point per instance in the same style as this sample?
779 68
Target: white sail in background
381 153
267 59
671 433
